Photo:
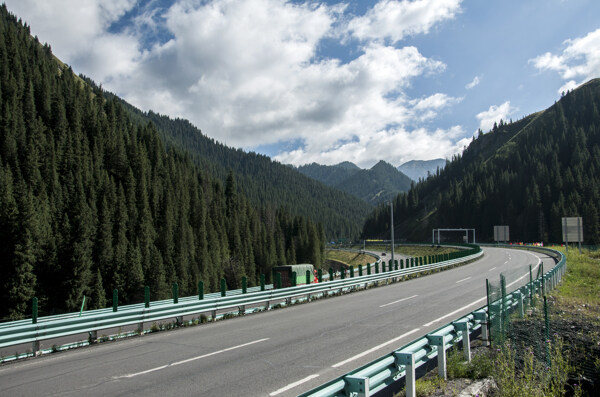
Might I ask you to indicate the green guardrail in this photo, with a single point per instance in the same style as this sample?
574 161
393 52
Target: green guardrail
144 314
400 365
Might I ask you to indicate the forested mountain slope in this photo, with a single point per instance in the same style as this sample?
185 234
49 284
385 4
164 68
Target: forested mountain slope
527 174
262 180
376 185
91 200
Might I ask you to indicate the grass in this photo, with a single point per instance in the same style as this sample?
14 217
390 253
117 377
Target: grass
350 258
415 250
581 283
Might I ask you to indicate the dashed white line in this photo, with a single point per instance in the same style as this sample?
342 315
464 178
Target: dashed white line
492 269
375 348
189 359
292 385
398 301
464 279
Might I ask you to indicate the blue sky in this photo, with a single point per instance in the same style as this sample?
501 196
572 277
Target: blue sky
329 81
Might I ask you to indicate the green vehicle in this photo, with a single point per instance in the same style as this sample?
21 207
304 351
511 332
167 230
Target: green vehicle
286 274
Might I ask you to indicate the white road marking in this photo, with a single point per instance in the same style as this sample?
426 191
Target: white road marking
398 301
374 348
492 269
189 359
292 385
464 279
454 312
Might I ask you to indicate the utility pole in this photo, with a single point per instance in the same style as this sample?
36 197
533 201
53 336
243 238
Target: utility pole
392 222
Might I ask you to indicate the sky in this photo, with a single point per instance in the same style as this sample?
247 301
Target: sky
329 81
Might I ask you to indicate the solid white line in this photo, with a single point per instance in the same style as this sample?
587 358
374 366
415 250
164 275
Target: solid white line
292 385
391 303
189 359
464 279
374 349
454 312
492 269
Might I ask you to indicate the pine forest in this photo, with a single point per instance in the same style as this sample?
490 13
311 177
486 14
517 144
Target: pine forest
91 200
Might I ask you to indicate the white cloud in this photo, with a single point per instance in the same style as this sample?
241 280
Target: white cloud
247 73
580 60
494 114
396 146
397 19
473 83
77 32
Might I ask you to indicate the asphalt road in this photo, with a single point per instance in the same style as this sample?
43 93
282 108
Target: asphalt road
277 353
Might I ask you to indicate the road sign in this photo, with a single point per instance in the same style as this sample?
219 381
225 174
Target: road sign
501 233
572 230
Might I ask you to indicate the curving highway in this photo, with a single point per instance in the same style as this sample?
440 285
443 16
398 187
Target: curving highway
276 353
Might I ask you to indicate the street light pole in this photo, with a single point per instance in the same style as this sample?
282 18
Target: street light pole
392 222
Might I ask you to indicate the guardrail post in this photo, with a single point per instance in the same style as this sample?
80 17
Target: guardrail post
357 386
368 269
115 300
463 327
438 341
262 282
294 279
308 277
320 275
146 296
351 271
382 266
223 287
520 307
377 267
342 273
244 285
360 273
200 290
330 274
408 360
482 317
175 293
395 264
401 263
34 310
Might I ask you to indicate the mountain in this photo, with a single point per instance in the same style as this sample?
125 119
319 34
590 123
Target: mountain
375 185
94 197
331 175
421 169
526 174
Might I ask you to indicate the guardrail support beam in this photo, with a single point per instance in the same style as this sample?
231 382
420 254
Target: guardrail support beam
357 385
407 359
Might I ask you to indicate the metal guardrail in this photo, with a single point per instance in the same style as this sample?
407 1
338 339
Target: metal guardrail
21 332
402 363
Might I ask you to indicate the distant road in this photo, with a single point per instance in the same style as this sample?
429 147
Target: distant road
276 353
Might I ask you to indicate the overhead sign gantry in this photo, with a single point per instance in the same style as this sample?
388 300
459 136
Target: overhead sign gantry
433 231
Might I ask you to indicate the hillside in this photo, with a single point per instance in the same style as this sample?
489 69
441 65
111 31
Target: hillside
421 169
93 200
376 185
263 181
526 174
